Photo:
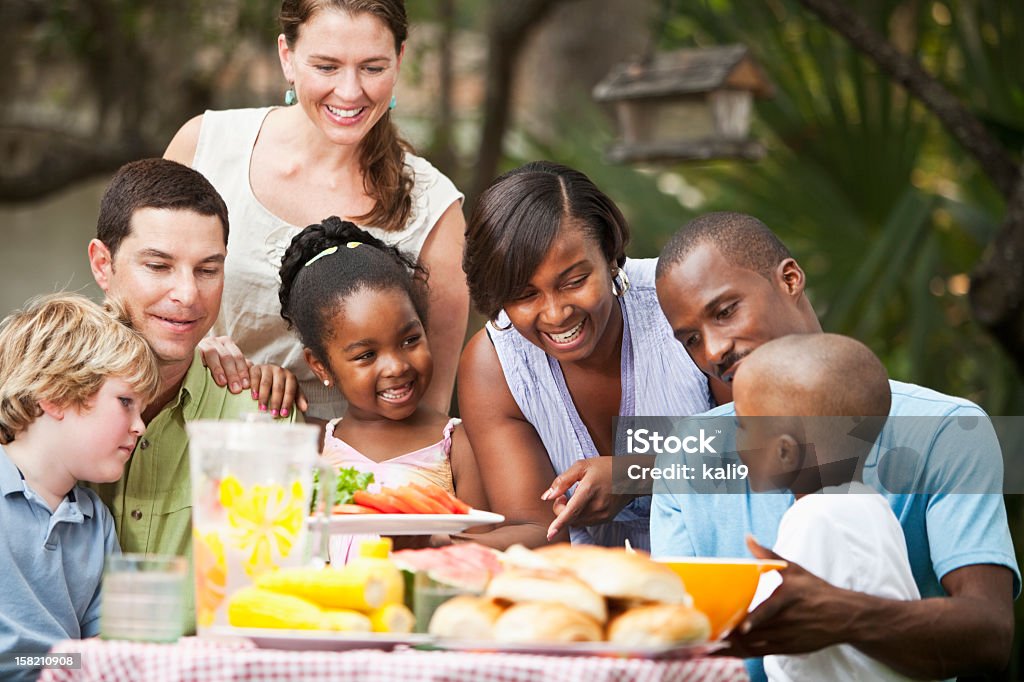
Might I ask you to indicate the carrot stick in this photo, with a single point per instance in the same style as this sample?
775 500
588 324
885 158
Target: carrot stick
379 502
353 509
421 501
437 494
396 500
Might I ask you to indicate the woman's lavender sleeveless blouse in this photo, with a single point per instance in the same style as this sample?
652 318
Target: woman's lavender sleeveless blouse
658 379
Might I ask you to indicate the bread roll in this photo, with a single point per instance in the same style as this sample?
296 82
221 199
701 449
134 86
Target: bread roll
518 556
521 585
465 617
659 624
546 622
618 574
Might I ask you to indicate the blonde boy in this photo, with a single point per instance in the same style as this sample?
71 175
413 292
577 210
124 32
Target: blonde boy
74 379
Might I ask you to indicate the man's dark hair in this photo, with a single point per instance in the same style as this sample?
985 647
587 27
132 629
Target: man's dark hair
743 240
154 183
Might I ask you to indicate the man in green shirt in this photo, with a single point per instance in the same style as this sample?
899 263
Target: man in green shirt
161 241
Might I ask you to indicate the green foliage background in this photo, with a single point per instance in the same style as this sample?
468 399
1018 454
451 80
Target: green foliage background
881 207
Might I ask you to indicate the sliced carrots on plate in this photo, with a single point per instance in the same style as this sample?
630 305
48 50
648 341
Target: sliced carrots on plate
413 498
452 504
379 501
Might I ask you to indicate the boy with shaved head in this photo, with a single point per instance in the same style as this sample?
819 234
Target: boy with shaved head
839 529
728 286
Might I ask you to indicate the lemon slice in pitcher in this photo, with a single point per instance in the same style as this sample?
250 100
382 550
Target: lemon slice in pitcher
264 521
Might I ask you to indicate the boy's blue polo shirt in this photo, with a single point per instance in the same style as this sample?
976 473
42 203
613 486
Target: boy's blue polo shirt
51 565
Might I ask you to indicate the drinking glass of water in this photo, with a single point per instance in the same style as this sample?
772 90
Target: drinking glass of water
143 597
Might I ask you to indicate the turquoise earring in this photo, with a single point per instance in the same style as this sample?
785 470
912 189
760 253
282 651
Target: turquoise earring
393 102
289 97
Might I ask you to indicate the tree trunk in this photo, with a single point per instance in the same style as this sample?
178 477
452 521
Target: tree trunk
958 120
98 83
511 23
443 149
570 53
44 161
997 282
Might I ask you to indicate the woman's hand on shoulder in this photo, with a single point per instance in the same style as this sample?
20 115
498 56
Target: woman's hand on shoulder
276 388
184 143
226 362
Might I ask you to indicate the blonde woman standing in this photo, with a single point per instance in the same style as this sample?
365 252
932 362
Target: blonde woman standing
331 151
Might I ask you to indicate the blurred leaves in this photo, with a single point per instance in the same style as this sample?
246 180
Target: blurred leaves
101 82
877 203
884 211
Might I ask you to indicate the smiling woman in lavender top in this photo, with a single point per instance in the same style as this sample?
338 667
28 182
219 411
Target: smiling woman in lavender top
575 338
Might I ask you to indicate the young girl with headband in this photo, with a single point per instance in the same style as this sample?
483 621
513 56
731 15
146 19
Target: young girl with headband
359 308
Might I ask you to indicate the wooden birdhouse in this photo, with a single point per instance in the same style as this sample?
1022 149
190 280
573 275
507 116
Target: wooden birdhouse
689 104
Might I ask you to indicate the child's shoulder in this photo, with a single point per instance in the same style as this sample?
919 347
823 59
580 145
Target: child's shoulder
442 428
431 419
834 510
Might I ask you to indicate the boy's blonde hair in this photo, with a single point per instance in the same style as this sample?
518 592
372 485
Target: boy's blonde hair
61 348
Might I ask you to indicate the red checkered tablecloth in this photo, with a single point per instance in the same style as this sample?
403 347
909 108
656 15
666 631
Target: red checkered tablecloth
200 660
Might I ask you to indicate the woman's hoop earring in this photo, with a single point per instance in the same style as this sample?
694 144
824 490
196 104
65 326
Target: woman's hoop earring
499 329
620 283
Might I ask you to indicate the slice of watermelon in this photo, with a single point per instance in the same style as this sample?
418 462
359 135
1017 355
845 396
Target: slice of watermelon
466 565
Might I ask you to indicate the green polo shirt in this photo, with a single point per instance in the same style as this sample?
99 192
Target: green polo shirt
152 502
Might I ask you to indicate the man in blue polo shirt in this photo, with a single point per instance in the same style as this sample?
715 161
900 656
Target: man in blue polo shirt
727 285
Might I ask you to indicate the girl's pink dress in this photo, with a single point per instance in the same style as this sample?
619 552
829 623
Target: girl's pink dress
431 464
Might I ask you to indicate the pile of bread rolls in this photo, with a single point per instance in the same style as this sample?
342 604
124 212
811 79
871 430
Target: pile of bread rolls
564 593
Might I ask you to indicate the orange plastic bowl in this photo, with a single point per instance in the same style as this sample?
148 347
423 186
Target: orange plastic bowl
721 588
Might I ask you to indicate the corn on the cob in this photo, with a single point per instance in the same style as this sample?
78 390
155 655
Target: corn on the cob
252 607
349 587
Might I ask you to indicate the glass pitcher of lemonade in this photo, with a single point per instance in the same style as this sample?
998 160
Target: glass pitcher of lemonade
251 486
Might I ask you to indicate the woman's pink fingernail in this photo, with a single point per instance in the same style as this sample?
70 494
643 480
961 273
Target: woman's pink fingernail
273 413
255 395
263 408
284 411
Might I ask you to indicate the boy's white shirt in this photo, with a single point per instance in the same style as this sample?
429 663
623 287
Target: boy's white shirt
848 536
